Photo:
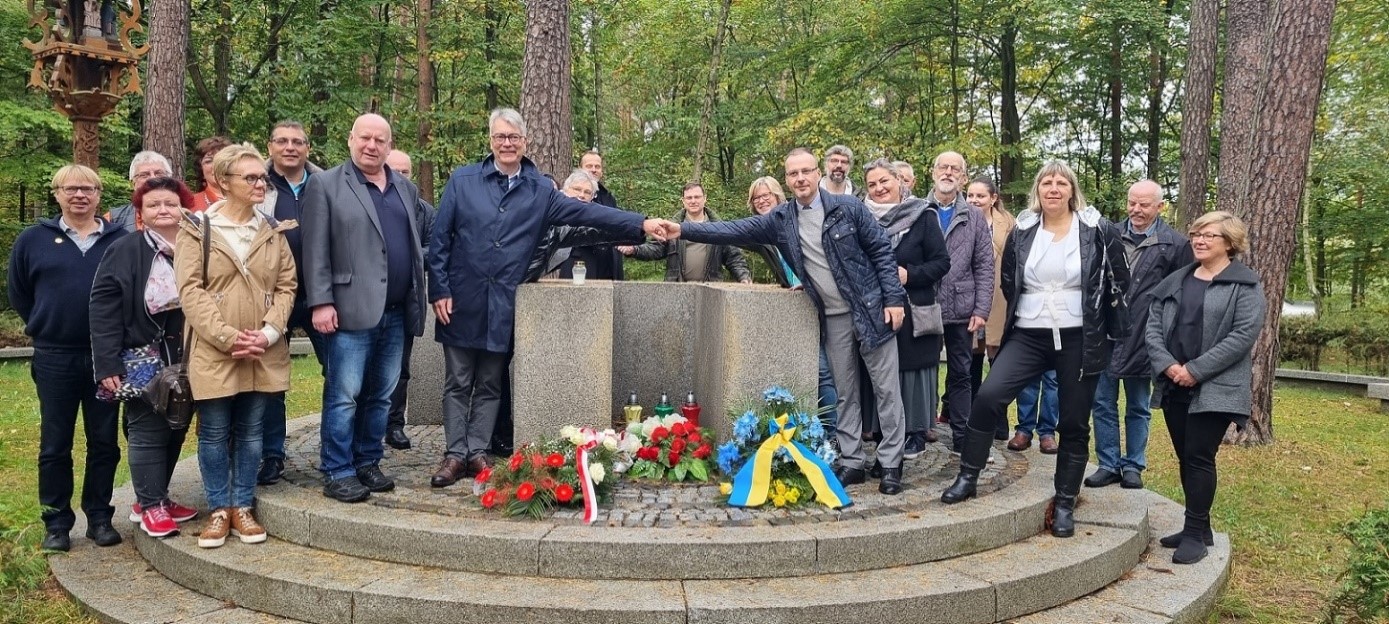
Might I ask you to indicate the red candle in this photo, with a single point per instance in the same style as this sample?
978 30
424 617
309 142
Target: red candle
690 410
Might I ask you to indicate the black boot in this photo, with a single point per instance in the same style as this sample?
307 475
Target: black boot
1070 471
972 460
892 481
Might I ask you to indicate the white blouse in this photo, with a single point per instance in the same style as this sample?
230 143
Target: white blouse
1051 290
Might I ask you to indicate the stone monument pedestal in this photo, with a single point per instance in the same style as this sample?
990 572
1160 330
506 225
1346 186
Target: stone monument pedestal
580 350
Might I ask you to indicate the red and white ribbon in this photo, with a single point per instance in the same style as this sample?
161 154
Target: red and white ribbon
586 483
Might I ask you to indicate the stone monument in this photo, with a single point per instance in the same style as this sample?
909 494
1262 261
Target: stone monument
580 350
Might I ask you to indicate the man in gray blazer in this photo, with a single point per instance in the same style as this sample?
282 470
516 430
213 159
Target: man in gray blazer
364 281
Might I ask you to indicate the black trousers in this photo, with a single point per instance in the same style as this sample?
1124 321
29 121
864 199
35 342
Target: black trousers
153 452
1027 354
64 381
958 396
976 378
1196 439
395 418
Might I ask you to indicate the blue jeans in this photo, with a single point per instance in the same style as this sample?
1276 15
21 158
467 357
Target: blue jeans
229 438
1028 403
1138 392
363 368
273 434
829 397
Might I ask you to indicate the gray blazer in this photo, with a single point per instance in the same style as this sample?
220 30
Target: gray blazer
1233 315
345 254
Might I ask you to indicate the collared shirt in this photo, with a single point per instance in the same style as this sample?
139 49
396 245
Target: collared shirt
817 266
395 230
83 243
946 211
298 189
1135 234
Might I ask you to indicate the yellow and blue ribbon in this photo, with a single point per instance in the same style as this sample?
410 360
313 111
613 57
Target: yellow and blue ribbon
754 479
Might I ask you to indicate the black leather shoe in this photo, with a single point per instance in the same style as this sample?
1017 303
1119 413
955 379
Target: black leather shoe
1174 540
1132 480
346 490
1190 551
375 480
272 469
876 471
396 438
1101 478
57 540
103 534
850 476
892 481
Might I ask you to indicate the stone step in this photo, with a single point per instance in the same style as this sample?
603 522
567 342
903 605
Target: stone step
116 585
294 581
418 525
1155 591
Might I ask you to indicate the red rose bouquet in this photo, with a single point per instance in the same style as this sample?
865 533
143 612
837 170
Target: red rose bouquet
540 476
672 449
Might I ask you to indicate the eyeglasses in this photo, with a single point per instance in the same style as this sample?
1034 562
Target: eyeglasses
950 169
283 141
253 179
80 190
145 175
763 196
508 138
1206 235
802 173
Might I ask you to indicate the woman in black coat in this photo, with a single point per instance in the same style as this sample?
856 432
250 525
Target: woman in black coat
913 229
1064 276
134 304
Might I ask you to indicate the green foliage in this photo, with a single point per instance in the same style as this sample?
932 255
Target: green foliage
1363 596
1304 338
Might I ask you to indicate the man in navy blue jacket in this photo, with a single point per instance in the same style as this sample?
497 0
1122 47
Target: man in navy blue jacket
51 270
491 219
850 273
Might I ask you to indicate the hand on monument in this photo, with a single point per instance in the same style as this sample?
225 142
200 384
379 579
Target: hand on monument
443 309
325 319
893 317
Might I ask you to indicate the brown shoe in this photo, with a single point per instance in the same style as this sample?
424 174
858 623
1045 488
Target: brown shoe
476 465
214 533
1020 442
244 526
1048 445
449 472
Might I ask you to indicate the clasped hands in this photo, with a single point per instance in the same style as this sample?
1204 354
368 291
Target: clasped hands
661 229
1180 376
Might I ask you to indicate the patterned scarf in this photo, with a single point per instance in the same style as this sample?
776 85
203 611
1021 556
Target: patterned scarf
161 290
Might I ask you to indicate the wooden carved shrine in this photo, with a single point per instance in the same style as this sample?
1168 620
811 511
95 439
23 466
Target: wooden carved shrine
86 63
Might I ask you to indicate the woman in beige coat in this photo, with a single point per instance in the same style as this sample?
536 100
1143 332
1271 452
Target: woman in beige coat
237 304
982 193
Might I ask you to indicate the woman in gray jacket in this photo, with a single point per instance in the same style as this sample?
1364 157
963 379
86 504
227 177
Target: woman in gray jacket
1201 330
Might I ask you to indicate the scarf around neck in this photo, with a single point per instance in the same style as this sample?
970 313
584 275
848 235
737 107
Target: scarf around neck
161 289
899 218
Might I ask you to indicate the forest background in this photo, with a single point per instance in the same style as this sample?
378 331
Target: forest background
719 90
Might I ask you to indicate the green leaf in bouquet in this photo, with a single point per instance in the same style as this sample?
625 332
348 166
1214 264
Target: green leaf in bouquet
699 469
678 472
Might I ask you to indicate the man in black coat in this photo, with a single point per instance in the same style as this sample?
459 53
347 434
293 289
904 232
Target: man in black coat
603 262
1154 251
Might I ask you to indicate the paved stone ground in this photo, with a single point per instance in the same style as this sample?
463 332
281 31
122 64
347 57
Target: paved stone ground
647 504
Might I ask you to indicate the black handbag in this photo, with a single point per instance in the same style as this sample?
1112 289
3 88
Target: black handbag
170 393
1116 309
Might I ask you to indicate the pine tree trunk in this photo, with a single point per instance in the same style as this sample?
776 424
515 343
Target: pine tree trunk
164 81
1275 128
1198 100
424 100
545 78
1010 131
711 91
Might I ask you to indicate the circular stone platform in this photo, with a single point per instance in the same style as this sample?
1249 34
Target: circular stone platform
645 503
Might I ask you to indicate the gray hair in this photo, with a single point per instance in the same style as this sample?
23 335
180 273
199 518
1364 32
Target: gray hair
509 115
579 175
903 165
146 157
842 151
886 165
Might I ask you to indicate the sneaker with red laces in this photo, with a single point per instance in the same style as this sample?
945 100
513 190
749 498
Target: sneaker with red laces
178 512
155 522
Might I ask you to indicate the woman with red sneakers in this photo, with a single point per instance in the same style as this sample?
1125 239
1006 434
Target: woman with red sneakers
135 304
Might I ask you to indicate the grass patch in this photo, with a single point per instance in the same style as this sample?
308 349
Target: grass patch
28 594
1284 504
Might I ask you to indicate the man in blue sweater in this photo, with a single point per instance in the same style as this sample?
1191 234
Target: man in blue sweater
50 282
